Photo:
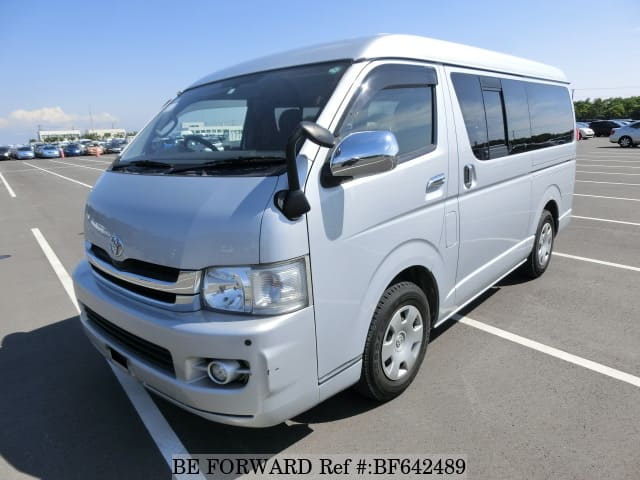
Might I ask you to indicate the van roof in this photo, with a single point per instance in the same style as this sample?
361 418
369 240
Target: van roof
394 46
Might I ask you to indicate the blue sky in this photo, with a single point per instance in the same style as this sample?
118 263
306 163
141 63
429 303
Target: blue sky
122 60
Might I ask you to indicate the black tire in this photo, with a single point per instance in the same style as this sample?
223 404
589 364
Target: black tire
538 260
404 298
625 142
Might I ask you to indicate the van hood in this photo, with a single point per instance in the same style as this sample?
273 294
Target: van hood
183 222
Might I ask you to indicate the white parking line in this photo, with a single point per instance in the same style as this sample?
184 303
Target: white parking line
637 162
606 220
159 429
554 352
12 194
57 266
606 173
609 198
599 262
609 183
30 170
609 158
90 159
58 175
79 166
607 166
164 437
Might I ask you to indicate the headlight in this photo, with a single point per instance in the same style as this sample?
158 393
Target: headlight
264 290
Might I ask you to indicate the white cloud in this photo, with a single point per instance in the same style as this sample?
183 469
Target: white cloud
56 117
53 115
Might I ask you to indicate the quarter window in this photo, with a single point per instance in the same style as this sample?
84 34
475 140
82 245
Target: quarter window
551 116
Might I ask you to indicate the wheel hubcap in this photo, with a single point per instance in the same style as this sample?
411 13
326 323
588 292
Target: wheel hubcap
545 243
401 343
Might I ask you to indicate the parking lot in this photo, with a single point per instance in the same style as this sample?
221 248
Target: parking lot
537 379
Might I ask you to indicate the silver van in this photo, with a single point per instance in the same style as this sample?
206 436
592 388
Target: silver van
297 225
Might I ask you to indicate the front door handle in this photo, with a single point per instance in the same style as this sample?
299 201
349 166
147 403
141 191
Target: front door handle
436 182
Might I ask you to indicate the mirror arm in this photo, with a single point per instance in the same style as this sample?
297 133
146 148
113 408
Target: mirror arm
292 202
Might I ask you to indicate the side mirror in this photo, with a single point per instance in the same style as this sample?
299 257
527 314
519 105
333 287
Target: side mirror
364 153
292 202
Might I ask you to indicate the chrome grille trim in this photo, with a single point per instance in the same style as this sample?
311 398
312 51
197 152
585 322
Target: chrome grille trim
188 282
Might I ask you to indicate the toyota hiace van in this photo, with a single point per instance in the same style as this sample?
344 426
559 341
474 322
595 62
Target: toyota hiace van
297 225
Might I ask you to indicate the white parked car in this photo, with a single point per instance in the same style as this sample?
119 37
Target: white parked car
627 136
584 131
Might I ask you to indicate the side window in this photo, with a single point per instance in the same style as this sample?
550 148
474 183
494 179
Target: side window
495 123
551 116
469 95
505 117
517 109
399 98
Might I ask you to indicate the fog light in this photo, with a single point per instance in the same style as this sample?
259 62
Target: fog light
223 371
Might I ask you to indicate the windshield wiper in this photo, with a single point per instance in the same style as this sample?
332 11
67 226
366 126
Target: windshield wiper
229 164
141 164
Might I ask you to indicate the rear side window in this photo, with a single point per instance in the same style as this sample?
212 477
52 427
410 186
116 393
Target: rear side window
551 115
399 98
505 117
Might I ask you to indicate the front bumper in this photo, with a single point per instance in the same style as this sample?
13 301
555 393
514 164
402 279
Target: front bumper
280 352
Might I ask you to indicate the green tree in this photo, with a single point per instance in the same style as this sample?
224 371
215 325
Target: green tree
609 108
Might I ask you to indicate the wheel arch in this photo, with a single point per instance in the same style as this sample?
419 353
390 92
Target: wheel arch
417 261
424 279
550 200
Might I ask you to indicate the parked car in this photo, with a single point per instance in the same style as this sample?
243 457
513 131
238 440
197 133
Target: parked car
584 131
48 151
74 150
602 128
95 149
23 153
115 147
5 153
627 136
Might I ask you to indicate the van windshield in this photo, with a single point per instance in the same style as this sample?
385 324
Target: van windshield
242 122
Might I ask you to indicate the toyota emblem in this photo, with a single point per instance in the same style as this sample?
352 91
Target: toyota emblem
116 246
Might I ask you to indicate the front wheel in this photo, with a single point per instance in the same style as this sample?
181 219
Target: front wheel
396 342
540 256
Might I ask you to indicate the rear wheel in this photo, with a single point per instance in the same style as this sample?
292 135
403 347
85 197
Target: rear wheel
396 342
625 142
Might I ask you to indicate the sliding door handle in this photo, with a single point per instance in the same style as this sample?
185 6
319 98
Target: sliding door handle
468 174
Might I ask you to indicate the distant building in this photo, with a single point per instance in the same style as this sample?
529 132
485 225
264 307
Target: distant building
228 132
107 132
45 135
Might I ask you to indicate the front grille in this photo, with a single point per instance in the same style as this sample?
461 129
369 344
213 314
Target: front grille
138 267
146 350
158 295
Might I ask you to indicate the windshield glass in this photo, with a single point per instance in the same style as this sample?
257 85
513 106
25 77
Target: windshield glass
233 120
